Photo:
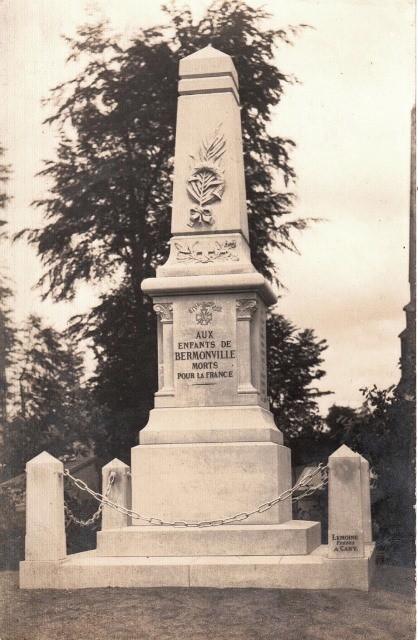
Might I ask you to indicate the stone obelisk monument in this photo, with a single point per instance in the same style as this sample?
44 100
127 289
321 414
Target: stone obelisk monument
211 447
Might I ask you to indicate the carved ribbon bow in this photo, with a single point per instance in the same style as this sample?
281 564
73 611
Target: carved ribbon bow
200 214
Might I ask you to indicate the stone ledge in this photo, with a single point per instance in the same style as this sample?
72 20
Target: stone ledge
210 424
208 84
231 283
296 537
87 570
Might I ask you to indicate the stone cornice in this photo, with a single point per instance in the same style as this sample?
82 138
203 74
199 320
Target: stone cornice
230 283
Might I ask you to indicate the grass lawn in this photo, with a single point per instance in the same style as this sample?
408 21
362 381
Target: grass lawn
386 612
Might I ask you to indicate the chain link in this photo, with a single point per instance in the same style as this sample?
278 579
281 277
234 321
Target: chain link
87 523
303 483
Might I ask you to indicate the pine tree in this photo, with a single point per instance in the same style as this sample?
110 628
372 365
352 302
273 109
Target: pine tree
50 410
6 324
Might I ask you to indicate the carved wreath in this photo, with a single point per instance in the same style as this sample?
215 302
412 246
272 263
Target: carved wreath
218 251
207 183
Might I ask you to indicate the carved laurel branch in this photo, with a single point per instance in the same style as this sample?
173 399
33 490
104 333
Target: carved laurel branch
205 305
221 251
206 183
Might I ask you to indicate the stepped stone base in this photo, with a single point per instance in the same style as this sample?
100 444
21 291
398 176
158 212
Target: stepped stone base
210 424
295 537
314 571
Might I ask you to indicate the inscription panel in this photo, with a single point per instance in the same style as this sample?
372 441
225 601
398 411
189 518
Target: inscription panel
342 545
205 351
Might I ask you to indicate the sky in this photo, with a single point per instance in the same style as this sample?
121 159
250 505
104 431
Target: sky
349 115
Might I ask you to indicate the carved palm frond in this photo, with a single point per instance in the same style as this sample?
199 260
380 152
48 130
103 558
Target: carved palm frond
205 186
207 182
212 151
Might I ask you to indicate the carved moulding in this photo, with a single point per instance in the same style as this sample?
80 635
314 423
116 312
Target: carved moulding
206 184
246 309
165 348
165 311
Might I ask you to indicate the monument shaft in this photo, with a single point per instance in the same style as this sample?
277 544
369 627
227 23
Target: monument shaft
211 423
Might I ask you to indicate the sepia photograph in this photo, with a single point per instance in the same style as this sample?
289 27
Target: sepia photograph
207 320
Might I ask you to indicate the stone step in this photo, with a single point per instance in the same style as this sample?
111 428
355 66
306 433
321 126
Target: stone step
295 537
88 570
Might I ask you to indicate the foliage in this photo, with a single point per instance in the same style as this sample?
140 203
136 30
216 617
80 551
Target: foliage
50 409
126 374
294 358
12 526
4 177
7 333
108 213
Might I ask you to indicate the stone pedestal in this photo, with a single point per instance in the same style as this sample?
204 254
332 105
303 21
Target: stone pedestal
349 521
120 493
45 524
211 448
211 340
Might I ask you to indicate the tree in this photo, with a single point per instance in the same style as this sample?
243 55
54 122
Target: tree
109 210
294 359
6 325
4 177
50 409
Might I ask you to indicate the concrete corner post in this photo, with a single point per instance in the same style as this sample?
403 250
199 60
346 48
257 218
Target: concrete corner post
349 518
120 493
45 521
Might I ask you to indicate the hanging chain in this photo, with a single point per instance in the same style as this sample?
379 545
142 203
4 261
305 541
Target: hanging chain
303 483
86 523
